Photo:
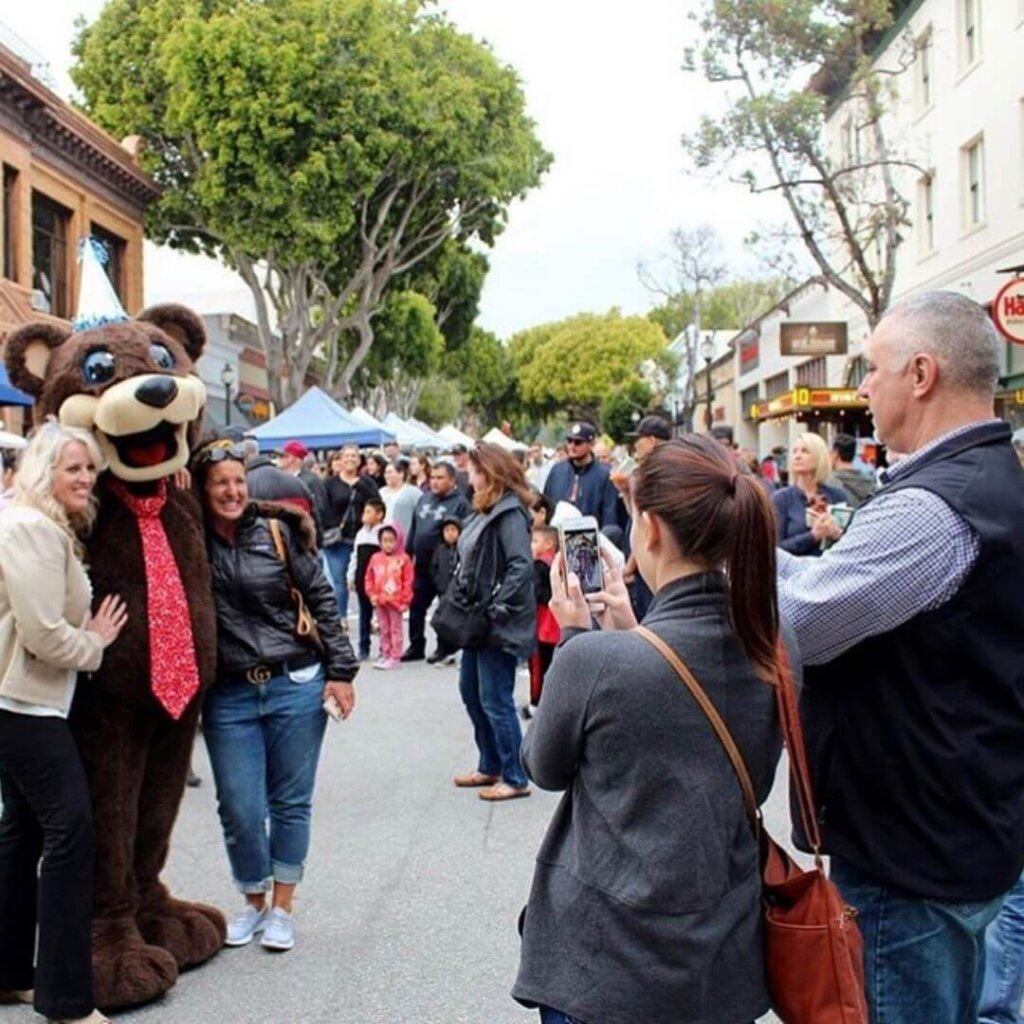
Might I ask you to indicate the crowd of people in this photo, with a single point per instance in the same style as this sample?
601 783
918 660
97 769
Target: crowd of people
893 602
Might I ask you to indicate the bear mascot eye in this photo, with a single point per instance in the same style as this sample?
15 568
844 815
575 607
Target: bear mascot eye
99 367
161 355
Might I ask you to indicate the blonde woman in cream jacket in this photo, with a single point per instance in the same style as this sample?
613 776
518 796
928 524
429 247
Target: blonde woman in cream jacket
46 638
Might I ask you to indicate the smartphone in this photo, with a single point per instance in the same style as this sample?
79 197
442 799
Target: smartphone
581 552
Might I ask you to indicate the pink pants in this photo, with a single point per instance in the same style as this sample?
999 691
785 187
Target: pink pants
390 621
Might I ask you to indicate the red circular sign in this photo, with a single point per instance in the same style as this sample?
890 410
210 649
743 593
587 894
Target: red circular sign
1008 310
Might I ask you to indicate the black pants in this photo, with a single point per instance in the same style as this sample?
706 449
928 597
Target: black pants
48 814
423 594
365 619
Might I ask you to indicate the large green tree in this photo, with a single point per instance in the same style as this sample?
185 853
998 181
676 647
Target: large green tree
787 68
729 305
573 364
322 148
486 377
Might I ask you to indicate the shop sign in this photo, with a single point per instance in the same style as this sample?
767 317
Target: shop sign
750 351
1018 396
1008 310
258 410
825 338
808 398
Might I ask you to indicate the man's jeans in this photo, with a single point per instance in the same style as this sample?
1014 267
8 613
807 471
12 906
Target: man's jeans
487 679
924 960
549 1016
1003 990
337 557
264 744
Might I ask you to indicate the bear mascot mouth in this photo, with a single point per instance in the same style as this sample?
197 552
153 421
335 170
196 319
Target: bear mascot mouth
148 449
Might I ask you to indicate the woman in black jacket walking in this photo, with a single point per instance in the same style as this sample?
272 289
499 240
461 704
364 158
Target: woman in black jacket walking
264 719
495 564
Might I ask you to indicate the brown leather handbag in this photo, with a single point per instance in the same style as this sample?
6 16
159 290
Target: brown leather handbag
814 954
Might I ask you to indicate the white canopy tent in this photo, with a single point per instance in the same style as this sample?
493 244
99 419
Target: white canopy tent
440 441
453 435
361 414
410 434
495 436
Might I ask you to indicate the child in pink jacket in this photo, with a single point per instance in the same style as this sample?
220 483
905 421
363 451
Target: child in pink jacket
389 588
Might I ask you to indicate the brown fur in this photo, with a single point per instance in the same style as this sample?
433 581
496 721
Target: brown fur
135 755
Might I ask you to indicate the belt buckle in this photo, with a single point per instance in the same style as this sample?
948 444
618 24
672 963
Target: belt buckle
258 675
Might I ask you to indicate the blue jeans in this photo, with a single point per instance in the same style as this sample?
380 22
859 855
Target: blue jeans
549 1016
487 680
924 960
337 557
264 744
1003 990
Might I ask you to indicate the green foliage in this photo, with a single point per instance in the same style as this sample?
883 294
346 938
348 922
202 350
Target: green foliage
407 341
729 305
573 364
631 398
338 143
440 401
486 376
771 133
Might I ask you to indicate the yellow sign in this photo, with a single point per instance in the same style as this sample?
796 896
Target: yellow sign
805 398
1018 396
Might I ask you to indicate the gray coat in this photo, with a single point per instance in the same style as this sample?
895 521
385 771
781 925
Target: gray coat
645 904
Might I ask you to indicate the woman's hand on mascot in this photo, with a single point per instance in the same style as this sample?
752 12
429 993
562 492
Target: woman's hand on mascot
183 479
109 619
344 694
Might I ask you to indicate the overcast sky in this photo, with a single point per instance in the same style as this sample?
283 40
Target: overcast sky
603 82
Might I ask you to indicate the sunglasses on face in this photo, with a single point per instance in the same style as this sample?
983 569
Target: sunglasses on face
577 440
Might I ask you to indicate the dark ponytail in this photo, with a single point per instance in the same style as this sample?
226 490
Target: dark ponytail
720 517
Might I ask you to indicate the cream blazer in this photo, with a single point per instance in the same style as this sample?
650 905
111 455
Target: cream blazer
45 596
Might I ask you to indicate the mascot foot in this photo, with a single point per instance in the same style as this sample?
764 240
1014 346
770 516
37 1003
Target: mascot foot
126 971
190 932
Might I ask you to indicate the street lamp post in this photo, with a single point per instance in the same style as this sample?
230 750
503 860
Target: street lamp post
707 353
227 378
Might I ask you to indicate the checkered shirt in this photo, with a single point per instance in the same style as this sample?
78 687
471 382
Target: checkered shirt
904 553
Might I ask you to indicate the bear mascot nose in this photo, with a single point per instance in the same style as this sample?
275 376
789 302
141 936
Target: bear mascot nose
158 392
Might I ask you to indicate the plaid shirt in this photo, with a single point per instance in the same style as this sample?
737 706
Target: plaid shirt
903 554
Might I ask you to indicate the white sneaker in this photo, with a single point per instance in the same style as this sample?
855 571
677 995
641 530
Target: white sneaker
243 928
279 931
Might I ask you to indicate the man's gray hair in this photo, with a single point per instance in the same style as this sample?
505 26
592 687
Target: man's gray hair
954 329
251 447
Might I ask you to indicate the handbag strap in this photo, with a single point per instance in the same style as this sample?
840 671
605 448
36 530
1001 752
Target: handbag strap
792 732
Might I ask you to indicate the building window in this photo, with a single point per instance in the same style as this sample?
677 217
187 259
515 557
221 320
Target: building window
813 373
923 78
972 159
926 214
748 399
777 385
50 229
115 248
970 33
856 371
10 223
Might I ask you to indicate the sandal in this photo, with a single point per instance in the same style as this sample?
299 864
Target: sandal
503 791
17 995
475 778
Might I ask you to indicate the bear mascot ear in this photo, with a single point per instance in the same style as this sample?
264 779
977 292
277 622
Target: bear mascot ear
181 324
27 354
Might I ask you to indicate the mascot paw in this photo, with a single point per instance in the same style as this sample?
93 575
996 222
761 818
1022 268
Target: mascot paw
190 932
126 970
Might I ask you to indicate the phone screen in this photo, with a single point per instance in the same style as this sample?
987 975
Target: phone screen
583 557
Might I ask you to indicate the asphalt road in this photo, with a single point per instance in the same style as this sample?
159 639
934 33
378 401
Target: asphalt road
408 910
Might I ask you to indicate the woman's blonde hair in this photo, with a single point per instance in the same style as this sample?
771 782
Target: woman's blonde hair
819 454
33 481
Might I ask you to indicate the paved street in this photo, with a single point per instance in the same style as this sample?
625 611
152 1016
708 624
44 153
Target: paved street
408 912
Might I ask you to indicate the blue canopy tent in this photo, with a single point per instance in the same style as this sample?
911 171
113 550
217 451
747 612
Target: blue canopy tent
317 421
9 394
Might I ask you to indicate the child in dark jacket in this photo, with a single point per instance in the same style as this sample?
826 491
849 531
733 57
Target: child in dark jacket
366 546
544 545
389 588
442 568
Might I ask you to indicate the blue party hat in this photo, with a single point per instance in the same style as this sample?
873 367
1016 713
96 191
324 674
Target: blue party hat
98 303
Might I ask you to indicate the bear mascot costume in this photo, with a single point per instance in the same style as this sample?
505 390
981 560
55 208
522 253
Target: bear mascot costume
132 383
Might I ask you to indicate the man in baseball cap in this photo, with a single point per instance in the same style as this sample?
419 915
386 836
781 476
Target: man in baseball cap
293 462
650 432
582 480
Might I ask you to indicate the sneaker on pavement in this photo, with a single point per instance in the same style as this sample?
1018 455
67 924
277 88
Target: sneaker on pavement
279 931
435 659
381 663
393 663
246 926
413 655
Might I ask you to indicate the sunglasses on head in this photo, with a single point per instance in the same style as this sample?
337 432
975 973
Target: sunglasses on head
221 450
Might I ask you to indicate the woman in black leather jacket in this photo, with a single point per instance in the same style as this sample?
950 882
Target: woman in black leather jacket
264 719
495 560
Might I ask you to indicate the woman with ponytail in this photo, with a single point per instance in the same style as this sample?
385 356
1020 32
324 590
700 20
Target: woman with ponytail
646 896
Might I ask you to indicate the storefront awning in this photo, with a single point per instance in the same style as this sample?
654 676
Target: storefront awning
802 400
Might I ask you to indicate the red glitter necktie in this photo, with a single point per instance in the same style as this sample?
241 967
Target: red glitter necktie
172 653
